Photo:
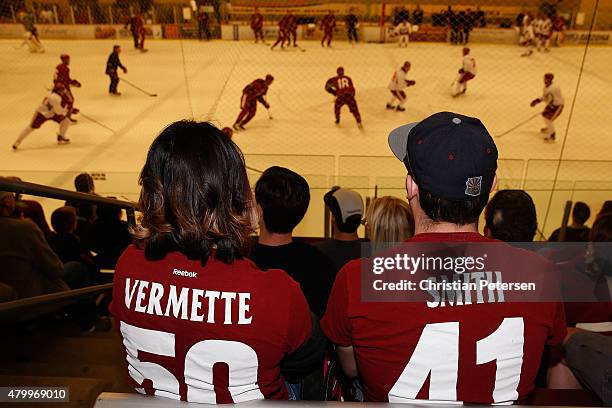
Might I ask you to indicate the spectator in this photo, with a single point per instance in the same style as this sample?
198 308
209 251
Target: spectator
198 214
417 16
110 236
282 200
29 265
67 245
589 356
86 212
510 216
33 211
30 209
346 207
576 231
606 208
389 221
410 350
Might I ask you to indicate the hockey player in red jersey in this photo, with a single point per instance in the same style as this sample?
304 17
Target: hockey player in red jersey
292 26
251 94
137 28
54 107
62 75
341 86
257 25
327 26
283 33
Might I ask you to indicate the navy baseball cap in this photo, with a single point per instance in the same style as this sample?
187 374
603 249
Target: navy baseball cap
450 155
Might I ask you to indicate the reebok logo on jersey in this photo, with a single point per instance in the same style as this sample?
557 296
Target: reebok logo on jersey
187 274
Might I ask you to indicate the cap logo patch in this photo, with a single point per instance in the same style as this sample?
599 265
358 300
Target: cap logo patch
473 186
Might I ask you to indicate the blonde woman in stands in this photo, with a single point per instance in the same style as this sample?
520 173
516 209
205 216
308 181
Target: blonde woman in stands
199 321
388 221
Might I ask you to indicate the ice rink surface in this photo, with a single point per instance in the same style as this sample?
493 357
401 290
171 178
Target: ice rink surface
204 81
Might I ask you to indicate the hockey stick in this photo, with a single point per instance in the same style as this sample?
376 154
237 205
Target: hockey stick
518 125
96 122
137 87
21 45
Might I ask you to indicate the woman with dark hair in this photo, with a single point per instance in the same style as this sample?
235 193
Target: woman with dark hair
213 327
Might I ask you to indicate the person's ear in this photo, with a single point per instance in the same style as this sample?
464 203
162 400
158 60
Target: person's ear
494 185
412 189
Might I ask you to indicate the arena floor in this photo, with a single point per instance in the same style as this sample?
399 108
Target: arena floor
205 80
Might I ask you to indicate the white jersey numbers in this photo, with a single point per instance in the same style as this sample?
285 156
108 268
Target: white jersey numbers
437 356
241 360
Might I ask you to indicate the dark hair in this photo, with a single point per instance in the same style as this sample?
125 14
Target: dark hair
456 212
602 229
284 197
84 183
64 220
606 208
511 216
581 212
195 195
105 212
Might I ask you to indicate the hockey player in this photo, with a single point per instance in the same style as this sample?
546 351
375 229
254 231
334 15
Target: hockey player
137 28
62 74
403 31
251 94
467 72
527 36
554 106
292 26
31 32
327 26
397 85
544 33
351 23
112 64
54 107
558 29
257 26
342 88
283 34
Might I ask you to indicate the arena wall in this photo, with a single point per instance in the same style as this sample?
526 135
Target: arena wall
237 32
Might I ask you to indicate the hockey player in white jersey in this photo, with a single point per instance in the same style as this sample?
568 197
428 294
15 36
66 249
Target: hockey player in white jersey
54 107
396 87
544 33
403 31
467 72
31 32
554 106
527 37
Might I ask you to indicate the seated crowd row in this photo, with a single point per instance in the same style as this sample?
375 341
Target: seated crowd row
222 320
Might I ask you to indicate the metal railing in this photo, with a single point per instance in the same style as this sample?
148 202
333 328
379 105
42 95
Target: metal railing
22 187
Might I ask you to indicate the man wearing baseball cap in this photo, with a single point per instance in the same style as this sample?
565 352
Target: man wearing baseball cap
485 351
346 208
